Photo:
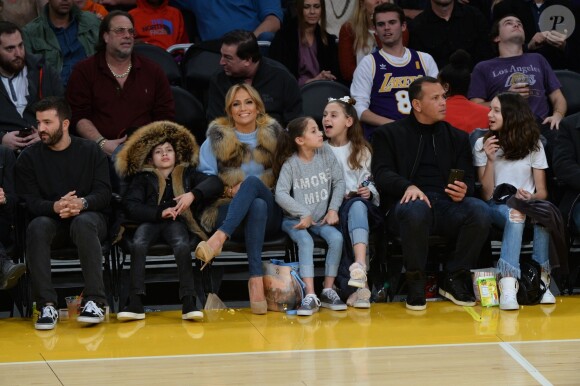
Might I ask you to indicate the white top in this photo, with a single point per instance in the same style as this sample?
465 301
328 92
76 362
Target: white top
335 8
20 84
362 81
517 173
354 178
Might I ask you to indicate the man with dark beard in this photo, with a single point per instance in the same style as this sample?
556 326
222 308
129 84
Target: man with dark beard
447 26
65 183
25 80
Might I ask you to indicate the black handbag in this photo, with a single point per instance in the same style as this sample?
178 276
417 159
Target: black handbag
531 286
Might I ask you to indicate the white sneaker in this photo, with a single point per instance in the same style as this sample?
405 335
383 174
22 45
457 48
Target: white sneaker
508 287
360 298
548 297
358 275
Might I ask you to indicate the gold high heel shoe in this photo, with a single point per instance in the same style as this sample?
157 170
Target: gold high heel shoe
205 253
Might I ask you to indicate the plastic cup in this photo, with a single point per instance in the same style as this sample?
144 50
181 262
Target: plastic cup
73 305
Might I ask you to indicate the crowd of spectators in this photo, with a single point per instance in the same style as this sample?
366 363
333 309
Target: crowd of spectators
84 51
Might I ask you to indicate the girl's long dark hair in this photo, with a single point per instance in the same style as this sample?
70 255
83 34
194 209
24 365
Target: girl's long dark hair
519 134
286 145
354 134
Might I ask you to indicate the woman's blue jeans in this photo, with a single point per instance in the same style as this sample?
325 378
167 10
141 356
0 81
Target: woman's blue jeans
358 223
302 237
511 245
255 208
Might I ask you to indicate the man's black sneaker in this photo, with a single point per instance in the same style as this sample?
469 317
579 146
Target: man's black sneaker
47 318
91 313
457 287
415 291
189 310
132 311
10 273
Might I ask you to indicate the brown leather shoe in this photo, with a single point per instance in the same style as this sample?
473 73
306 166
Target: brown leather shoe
258 302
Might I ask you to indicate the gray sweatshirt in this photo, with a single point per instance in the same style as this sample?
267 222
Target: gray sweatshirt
311 188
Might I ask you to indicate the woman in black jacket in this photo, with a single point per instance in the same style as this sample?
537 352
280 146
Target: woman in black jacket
165 195
304 46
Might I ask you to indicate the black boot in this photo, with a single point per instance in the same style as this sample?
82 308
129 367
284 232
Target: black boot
416 290
189 310
457 287
134 310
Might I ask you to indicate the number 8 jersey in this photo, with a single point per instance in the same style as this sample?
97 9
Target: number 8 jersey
391 79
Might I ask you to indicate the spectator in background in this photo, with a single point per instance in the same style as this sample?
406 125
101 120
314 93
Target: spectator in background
158 23
567 170
304 46
455 77
25 80
115 91
216 18
339 12
63 34
448 25
20 12
552 44
242 63
382 78
528 74
90 6
9 272
357 37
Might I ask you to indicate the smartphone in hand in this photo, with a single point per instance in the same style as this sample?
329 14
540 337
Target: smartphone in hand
23 133
456 175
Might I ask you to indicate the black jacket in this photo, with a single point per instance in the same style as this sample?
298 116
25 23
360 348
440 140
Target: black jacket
7 161
397 150
43 81
566 163
285 49
141 202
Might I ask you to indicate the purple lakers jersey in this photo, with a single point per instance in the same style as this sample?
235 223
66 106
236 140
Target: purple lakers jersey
389 95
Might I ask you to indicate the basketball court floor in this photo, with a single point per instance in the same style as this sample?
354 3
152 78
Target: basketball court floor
386 345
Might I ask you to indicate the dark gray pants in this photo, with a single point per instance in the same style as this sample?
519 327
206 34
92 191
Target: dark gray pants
86 231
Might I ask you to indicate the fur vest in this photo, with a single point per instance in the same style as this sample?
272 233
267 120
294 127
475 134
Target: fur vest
231 154
134 158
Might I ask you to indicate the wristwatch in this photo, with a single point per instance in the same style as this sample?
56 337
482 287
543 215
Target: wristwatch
85 203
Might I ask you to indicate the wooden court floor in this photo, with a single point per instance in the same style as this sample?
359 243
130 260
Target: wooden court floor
386 345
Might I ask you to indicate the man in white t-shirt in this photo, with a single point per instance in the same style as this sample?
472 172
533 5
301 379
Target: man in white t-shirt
381 79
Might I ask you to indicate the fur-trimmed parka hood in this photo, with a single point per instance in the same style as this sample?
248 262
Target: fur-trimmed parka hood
133 157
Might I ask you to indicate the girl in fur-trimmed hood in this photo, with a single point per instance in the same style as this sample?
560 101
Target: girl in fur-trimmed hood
165 194
240 150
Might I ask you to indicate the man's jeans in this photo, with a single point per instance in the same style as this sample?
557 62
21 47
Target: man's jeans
86 231
468 222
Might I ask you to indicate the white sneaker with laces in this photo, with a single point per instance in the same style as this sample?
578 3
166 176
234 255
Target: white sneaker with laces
91 313
548 297
508 287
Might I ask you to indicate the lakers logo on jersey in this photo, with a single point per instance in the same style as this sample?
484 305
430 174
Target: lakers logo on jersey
391 82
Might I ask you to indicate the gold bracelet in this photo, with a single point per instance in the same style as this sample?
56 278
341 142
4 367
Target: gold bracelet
102 144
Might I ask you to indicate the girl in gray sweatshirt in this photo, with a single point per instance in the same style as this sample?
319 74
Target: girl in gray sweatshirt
310 190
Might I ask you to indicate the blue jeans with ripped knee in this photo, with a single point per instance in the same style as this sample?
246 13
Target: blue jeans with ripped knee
511 245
